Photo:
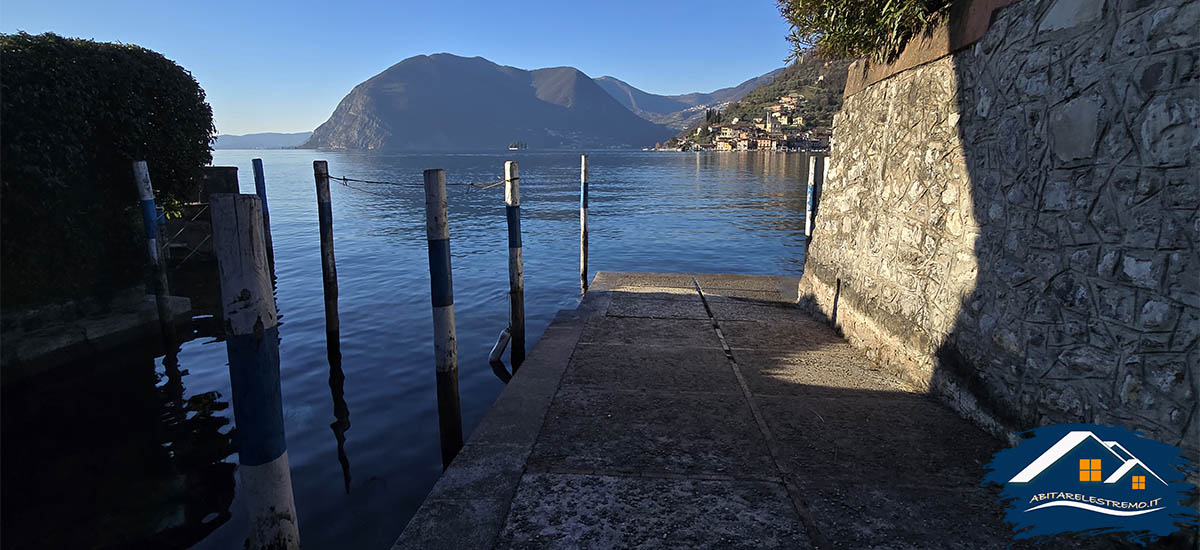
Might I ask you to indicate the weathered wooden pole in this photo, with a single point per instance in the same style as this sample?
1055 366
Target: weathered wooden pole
328 265
260 189
583 230
816 179
441 289
252 342
166 321
333 338
516 268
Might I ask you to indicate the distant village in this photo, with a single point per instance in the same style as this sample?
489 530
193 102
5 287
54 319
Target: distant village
782 129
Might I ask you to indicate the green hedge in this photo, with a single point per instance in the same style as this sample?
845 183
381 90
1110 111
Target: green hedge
74 114
859 28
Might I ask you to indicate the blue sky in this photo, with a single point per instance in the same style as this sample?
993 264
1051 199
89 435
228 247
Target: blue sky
283 66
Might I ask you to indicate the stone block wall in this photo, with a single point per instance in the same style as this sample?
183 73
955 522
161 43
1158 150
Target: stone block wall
1014 225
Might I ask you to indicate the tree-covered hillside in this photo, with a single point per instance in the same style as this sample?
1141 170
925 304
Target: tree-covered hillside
819 82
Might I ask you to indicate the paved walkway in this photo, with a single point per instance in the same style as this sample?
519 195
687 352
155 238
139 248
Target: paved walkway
665 415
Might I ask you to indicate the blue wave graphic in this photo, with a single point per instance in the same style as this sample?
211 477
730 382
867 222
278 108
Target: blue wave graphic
1094 508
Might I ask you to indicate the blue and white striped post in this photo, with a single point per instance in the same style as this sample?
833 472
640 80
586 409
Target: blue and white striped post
260 189
583 230
516 267
252 342
141 175
441 287
816 180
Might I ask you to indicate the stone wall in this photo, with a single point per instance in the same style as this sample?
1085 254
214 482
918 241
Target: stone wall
1014 225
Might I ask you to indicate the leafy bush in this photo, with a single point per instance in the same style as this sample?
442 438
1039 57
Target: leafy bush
75 114
859 28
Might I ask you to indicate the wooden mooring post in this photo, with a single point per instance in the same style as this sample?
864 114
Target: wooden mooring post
583 228
329 280
516 267
260 189
166 321
441 287
329 284
816 180
252 342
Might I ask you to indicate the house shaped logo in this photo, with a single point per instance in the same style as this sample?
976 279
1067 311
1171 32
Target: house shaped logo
1093 479
1125 468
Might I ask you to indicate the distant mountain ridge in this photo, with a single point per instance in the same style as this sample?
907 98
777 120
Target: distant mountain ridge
444 101
265 140
678 111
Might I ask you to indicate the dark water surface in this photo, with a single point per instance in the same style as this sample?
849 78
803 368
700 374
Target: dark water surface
124 451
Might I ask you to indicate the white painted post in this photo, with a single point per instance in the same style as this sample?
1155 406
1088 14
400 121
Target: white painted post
141 175
816 179
516 268
583 228
252 342
445 342
824 173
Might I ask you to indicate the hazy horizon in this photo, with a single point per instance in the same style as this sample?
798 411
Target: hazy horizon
277 67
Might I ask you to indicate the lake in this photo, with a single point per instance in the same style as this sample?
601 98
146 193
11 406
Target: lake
117 452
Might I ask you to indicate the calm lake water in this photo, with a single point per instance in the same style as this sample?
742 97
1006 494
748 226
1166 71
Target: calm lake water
117 453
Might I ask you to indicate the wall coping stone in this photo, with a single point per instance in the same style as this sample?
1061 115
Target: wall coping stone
966 24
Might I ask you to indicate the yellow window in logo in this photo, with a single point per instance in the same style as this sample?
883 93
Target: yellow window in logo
1089 469
1139 482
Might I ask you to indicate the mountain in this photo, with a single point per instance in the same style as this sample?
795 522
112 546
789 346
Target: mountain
267 140
443 101
678 111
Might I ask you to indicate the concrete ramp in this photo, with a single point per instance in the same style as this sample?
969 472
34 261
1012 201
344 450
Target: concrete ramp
708 411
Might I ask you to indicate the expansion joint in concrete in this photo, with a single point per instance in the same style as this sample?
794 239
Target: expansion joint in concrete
802 512
657 475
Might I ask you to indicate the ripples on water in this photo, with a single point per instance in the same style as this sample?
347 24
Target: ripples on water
126 451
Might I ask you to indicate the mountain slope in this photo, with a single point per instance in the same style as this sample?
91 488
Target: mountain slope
678 111
638 101
443 101
817 84
820 82
266 140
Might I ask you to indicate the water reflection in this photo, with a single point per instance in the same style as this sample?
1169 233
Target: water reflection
341 411
138 458
111 453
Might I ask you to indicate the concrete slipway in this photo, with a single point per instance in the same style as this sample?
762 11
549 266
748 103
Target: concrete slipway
707 411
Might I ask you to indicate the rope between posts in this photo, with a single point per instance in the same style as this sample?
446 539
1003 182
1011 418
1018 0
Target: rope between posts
345 181
481 185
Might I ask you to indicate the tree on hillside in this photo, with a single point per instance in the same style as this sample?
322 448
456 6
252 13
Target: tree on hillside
820 81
